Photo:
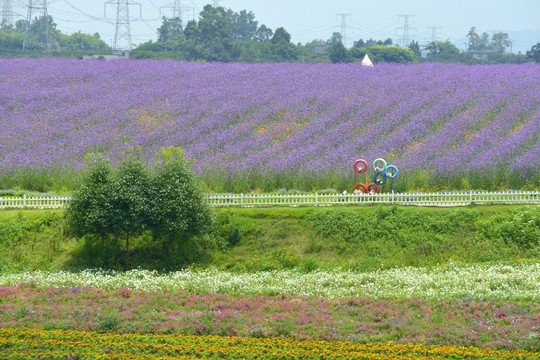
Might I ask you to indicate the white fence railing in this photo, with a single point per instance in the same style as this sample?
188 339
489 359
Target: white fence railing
427 199
255 200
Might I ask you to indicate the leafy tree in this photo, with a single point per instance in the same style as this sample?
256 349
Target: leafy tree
82 42
129 199
170 29
338 53
415 47
394 54
214 39
264 34
534 53
179 210
38 30
445 48
336 38
244 25
281 35
359 44
500 42
125 201
89 211
477 42
358 54
443 51
11 38
191 31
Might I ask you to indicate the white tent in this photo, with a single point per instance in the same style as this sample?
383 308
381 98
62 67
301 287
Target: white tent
367 61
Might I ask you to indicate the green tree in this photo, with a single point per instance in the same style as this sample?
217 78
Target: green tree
534 53
129 199
336 38
179 210
441 48
264 34
477 42
82 42
338 53
500 42
215 41
38 31
89 211
170 29
393 54
244 25
415 47
281 35
125 201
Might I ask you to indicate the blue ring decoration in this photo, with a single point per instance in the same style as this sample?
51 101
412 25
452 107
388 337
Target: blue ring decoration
377 181
391 167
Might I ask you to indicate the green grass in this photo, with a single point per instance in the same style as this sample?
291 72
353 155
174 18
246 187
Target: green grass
362 238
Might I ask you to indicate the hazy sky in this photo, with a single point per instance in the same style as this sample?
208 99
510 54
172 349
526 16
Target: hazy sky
313 19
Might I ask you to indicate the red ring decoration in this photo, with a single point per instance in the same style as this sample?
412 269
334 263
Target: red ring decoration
360 161
375 186
364 187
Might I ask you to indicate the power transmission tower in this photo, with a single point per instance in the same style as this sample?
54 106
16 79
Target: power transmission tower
33 7
344 26
178 11
216 3
122 33
405 39
6 17
434 29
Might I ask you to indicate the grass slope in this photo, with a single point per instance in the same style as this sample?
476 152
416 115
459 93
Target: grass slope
249 239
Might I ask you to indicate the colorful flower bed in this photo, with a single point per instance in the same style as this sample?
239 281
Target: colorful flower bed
520 282
464 322
25 344
270 126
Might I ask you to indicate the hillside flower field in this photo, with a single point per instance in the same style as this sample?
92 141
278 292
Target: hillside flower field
271 126
490 307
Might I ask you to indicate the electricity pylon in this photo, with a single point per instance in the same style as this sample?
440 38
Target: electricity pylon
35 6
122 33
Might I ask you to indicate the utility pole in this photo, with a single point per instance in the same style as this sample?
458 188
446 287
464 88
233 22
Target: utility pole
344 27
434 29
405 40
6 17
122 33
33 7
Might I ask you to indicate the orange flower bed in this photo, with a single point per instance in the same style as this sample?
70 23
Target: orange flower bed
75 345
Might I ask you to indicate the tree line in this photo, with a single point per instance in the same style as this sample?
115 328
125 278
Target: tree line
223 35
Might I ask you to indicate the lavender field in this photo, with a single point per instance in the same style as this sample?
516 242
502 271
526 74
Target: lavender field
271 126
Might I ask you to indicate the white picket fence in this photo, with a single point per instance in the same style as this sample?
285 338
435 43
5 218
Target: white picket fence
419 199
315 199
